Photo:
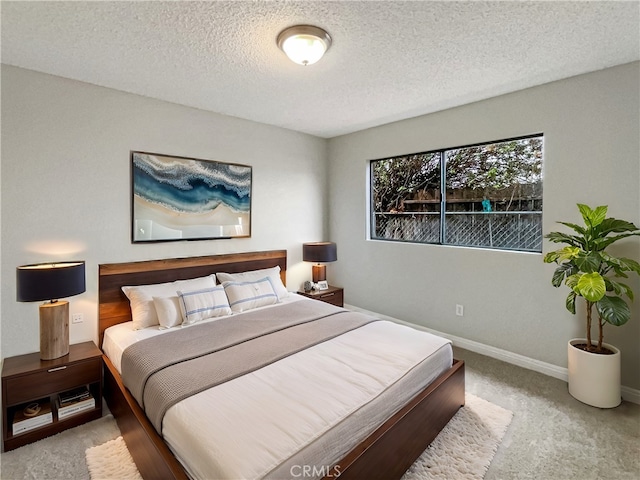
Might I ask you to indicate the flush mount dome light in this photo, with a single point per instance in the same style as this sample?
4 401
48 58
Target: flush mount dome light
304 44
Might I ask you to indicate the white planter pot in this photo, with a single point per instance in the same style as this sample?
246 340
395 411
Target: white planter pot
594 379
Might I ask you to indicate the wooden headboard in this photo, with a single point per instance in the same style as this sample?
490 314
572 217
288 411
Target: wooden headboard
113 305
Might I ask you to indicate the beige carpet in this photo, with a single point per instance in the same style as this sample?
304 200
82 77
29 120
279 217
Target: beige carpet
463 450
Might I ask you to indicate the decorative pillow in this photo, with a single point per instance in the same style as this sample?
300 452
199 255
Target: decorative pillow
143 312
168 311
253 275
244 296
200 304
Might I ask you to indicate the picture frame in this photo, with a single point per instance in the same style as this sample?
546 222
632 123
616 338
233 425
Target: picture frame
182 198
323 285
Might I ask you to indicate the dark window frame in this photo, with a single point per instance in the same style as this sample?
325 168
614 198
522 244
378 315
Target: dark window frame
442 240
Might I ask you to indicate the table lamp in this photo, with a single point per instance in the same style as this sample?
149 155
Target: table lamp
319 252
51 281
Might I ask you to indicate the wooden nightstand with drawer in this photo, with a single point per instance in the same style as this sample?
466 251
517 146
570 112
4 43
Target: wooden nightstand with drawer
28 381
333 295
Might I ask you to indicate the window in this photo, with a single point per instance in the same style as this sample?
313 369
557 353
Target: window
492 196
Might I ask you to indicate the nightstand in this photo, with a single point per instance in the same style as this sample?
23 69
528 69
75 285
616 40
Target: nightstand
333 295
26 379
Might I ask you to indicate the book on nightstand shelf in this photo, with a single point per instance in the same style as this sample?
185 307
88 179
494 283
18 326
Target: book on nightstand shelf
80 393
30 416
74 401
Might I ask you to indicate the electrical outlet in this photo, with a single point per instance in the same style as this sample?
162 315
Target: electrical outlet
77 318
459 310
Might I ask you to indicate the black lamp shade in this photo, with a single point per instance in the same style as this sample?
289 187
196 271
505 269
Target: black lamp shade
49 281
319 252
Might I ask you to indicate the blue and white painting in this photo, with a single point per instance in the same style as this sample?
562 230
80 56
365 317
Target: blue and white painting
178 198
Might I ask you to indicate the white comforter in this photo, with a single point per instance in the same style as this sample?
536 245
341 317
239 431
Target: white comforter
278 421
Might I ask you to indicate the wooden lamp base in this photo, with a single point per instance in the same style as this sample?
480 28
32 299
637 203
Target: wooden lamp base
54 330
319 273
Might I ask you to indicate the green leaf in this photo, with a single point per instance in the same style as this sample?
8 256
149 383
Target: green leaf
570 302
551 256
630 265
613 225
618 287
591 286
598 216
620 272
588 262
577 228
592 218
586 213
567 253
563 270
559 237
602 243
622 263
572 282
614 310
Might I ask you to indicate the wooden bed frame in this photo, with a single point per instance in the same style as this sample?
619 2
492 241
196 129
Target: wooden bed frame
387 453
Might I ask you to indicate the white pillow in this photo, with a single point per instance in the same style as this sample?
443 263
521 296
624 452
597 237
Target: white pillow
200 304
143 312
244 296
168 311
253 275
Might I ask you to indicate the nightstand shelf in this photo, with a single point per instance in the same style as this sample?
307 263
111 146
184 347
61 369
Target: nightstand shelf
333 295
27 379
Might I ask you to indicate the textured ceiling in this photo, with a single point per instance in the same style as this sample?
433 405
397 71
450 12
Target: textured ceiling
389 60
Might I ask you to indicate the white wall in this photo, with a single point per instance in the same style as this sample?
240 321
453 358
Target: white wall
591 155
66 185
65 195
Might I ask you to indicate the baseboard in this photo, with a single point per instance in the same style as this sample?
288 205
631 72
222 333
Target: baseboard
628 394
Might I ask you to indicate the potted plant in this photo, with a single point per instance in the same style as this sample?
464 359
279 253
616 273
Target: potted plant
593 274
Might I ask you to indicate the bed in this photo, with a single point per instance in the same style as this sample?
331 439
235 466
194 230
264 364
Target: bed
381 445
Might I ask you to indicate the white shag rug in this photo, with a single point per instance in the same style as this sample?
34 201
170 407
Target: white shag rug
463 450
111 461
466 445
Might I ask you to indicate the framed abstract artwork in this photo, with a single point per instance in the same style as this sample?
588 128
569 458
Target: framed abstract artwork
179 198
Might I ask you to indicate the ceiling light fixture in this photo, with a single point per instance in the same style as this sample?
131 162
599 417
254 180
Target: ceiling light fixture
304 44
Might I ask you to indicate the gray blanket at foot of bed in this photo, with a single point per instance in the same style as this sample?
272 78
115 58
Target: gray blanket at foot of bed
165 369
